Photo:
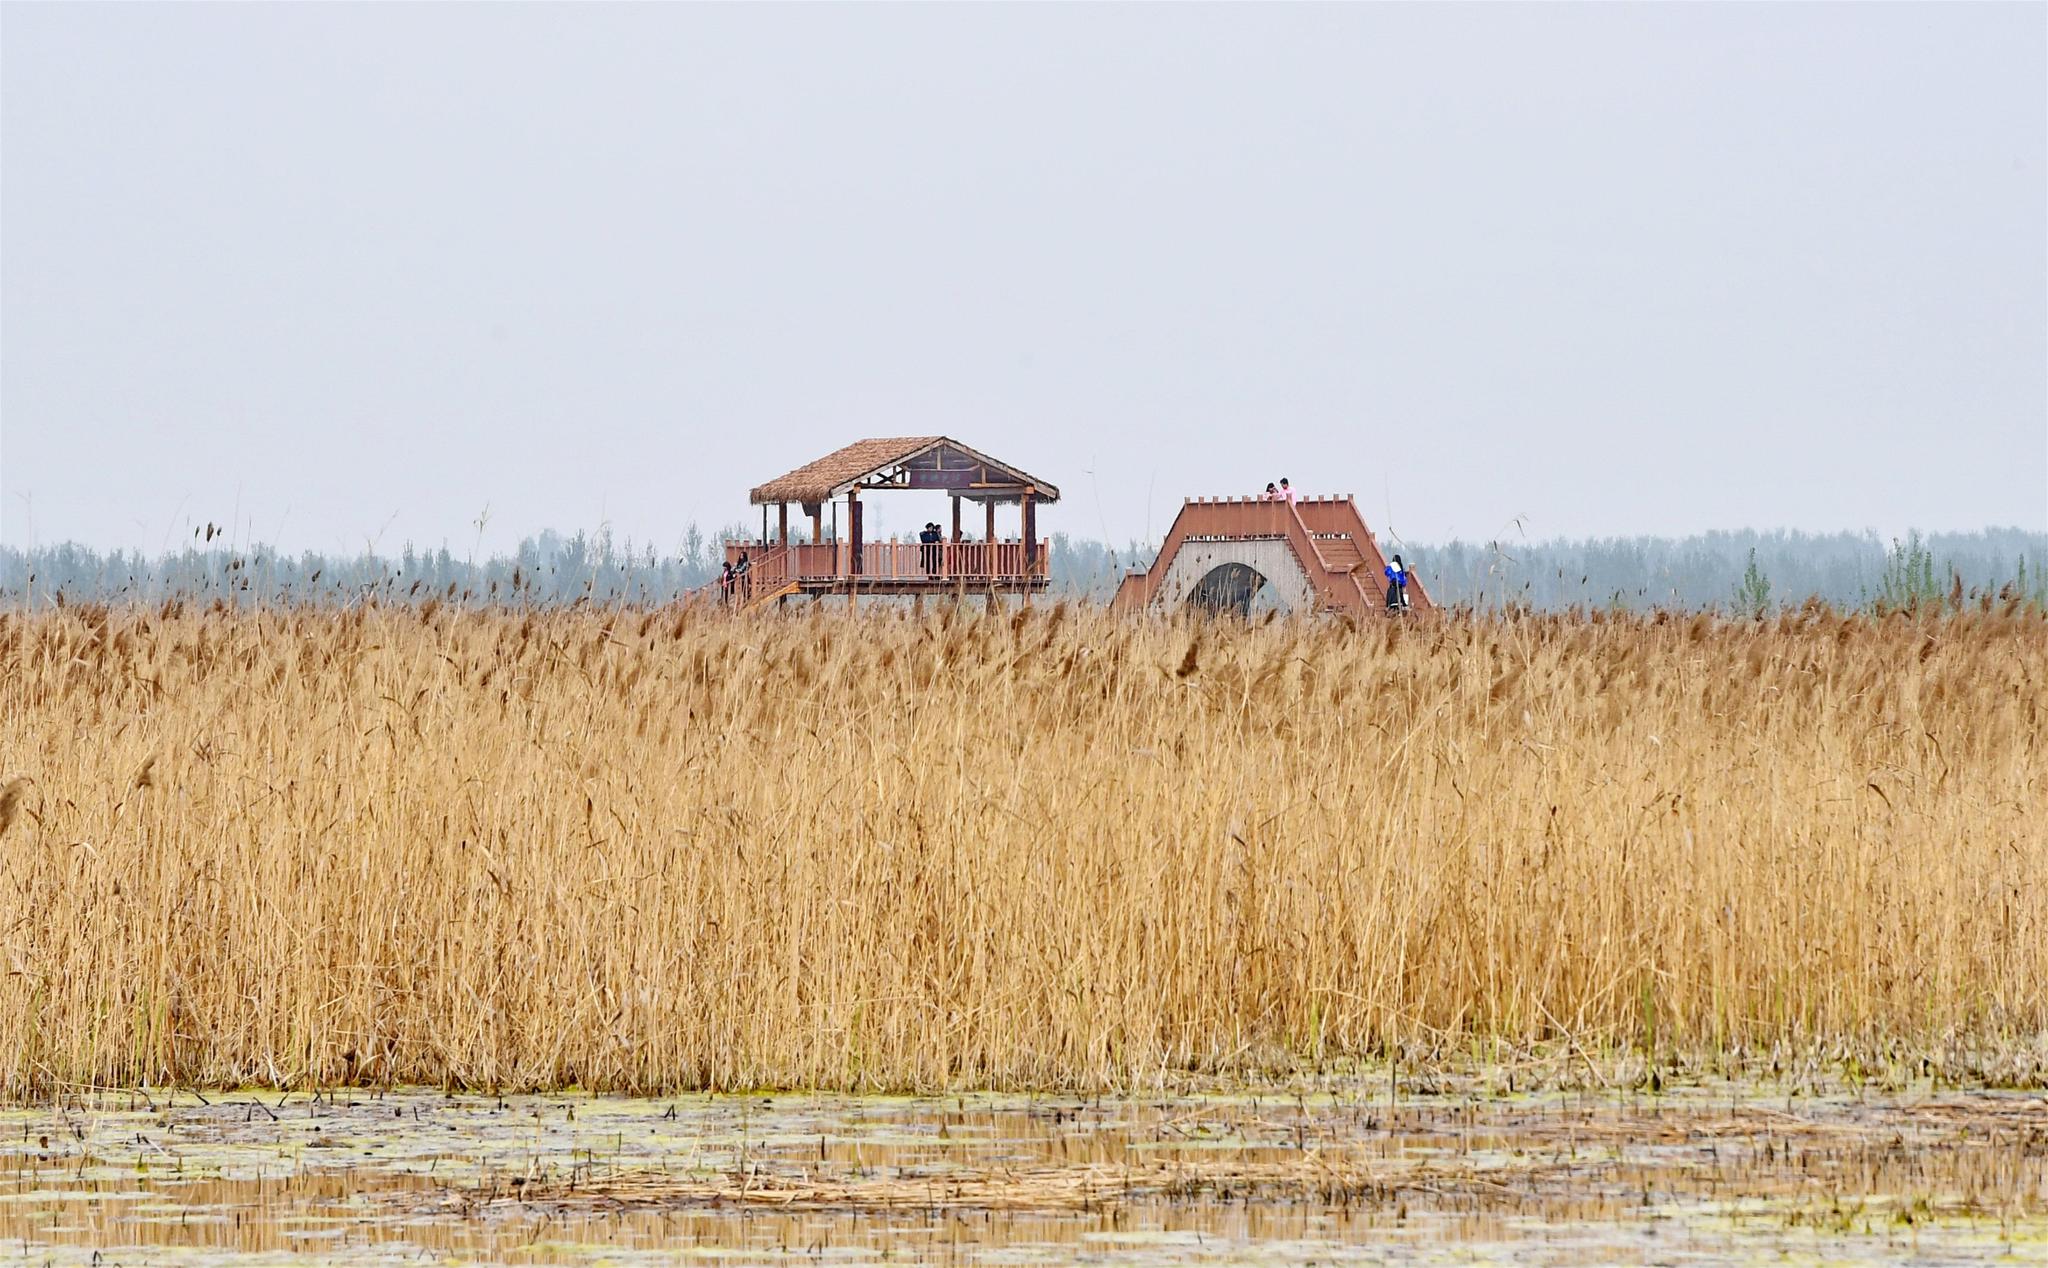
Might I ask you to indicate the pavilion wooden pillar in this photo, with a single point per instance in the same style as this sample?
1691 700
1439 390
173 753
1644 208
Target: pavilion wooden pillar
816 511
853 530
1030 532
952 560
989 566
782 515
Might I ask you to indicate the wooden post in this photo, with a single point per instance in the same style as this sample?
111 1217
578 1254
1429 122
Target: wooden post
817 523
782 514
1030 534
990 507
853 530
953 563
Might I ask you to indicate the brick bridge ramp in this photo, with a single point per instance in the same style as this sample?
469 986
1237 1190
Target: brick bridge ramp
1317 554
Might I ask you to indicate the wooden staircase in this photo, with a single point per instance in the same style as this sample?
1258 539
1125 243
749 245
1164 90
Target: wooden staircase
1339 554
766 595
769 578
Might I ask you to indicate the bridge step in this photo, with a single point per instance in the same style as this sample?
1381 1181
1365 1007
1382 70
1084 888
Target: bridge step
1340 554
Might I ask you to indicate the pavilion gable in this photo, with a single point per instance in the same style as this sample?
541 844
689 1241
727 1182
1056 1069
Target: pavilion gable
937 463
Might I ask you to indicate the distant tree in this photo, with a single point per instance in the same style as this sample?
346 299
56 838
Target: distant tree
694 558
1907 583
1748 571
1753 596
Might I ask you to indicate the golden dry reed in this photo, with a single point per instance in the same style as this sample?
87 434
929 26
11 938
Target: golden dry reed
672 848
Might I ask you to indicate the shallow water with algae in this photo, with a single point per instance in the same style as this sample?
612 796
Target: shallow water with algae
1711 1173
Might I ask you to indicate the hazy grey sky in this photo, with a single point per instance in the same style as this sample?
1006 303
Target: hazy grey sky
349 273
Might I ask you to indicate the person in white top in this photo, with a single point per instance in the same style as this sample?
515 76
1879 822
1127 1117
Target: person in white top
1272 492
1286 491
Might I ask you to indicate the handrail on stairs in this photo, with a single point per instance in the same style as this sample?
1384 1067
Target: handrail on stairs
767 576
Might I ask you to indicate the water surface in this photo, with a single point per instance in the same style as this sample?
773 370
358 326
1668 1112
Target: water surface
1705 1174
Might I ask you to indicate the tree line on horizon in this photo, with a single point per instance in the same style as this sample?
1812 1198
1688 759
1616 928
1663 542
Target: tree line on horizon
1743 571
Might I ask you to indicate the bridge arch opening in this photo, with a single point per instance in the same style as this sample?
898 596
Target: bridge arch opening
1236 588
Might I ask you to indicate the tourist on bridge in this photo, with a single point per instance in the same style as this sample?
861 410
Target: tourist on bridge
1286 491
1397 586
1272 491
725 582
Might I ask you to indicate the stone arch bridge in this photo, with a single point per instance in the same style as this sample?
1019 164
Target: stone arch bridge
1315 554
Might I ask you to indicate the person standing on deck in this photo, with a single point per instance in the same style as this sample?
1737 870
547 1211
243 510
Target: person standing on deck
1286 491
1272 492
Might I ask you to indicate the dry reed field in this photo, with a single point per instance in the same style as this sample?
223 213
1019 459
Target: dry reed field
1048 849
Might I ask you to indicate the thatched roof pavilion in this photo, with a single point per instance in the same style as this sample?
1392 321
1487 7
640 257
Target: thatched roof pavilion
778 568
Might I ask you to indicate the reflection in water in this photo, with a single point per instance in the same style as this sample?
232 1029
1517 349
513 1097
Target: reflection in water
368 1178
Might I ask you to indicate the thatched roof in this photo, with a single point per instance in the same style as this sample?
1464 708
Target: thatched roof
819 481
865 460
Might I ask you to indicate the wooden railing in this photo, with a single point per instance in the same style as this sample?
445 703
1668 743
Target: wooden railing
967 562
767 571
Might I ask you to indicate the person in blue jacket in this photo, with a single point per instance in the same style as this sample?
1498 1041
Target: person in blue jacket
1397 586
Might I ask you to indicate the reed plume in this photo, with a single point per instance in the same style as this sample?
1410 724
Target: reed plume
10 801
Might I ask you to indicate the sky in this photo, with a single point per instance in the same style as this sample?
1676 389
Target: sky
341 277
